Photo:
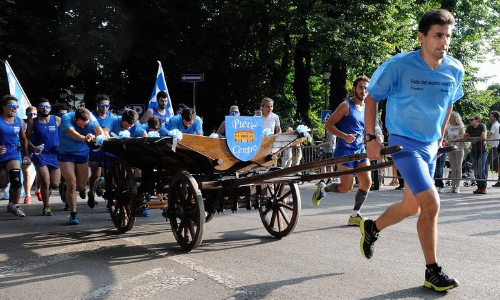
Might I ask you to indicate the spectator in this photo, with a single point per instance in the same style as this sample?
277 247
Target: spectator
454 131
234 111
477 131
494 136
269 119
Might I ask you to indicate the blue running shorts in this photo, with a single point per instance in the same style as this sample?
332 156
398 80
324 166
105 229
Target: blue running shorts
416 162
346 151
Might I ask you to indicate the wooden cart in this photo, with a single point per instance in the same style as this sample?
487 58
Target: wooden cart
193 178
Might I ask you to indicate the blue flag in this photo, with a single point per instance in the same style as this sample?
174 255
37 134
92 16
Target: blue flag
161 85
17 91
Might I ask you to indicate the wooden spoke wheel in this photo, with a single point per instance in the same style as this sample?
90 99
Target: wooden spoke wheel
279 207
120 188
186 211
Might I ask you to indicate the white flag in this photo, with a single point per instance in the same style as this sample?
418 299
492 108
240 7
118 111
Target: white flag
161 85
17 91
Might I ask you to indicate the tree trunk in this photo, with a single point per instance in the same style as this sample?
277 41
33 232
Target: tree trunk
338 81
302 64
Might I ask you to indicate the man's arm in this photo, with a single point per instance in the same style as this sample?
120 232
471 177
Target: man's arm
148 114
373 147
339 113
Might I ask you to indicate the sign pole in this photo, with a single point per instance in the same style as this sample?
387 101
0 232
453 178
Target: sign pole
194 96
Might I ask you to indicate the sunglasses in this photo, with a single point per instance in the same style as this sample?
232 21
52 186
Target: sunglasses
234 112
179 111
13 105
472 119
32 114
104 105
44 107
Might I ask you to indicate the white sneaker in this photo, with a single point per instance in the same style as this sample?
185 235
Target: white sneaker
456 190
440 190
18 211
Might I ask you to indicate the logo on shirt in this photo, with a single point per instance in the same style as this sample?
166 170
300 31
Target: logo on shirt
16 129
52 128
244 136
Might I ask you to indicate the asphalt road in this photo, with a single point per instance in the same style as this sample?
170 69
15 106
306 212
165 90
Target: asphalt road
44 258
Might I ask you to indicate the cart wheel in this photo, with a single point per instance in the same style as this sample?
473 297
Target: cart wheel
186 211
120 188
279 207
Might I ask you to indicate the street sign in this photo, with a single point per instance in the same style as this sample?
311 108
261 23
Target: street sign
192 78
139 108
325 114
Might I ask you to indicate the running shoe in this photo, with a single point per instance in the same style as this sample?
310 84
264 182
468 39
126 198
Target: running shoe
497 184
73 220
145 213
91 201
66 207
316 198
436 279
38 194
99 191
62 191
354 221
368 237
27 200
480 191
18 211
47 211
82 194
10 206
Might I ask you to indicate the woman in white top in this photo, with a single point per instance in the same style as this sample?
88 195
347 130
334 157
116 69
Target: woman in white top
269 119
455 130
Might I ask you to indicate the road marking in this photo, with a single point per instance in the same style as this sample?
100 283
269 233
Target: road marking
153 282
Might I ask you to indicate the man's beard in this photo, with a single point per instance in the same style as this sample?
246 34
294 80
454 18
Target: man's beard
44 115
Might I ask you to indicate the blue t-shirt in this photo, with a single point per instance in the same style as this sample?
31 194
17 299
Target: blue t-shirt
353 123
417 96
9 134
99 119
114 123
69 145
47 134
176 123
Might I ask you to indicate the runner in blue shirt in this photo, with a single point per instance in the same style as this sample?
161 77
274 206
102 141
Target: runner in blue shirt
187 122
347 124
11 131
77 129
44 130
101 113
421 88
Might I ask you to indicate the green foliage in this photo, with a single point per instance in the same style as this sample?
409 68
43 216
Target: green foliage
247 49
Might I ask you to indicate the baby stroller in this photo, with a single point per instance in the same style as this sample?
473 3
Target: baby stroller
468 172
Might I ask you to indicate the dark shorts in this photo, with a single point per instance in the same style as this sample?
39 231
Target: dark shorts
46 161
96 156
77 159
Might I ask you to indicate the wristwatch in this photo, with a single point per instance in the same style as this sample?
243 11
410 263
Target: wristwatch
369 137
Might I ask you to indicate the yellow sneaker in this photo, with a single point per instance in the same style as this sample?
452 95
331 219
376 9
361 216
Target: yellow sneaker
354 221
316 198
